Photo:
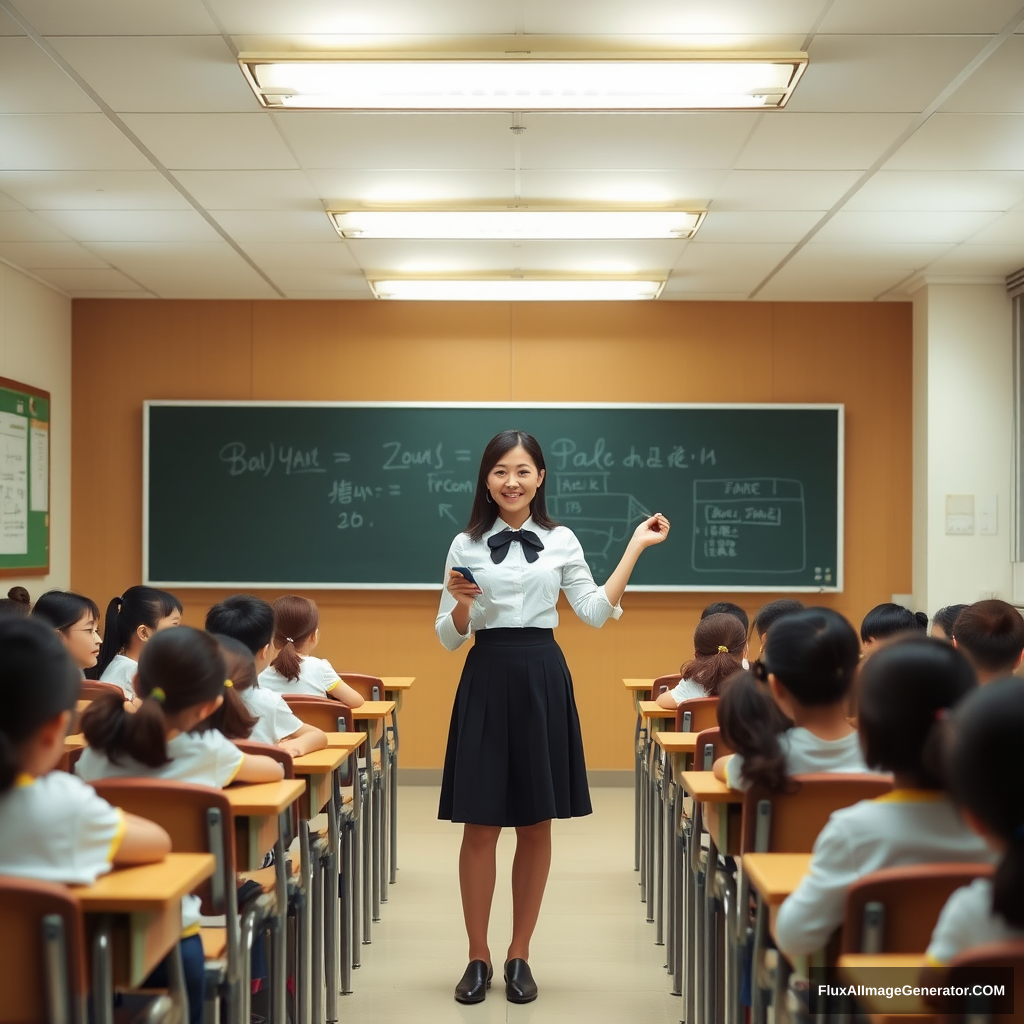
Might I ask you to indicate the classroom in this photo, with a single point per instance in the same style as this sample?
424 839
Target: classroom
164 237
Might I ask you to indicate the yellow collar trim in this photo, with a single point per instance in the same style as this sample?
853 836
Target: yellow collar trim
23 779
911 796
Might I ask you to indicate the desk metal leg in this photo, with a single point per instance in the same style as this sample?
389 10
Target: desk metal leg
304 931
317 984
650 841
393 866
637 781
758 1013
279 955
332 908
670 875
689 960
644 790
679 887
367 830
382 815
711 936
102 973
659 865
348 901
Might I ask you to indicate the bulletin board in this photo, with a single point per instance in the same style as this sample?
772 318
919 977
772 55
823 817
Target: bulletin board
24 480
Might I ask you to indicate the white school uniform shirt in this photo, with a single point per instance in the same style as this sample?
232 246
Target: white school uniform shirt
55 828
805 754
968 920
316 677
687 689
903 827
121 672
274 719
517 593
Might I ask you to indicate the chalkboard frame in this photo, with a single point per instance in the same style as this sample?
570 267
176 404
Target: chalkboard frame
249 585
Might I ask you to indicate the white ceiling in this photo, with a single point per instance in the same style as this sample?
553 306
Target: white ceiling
135 162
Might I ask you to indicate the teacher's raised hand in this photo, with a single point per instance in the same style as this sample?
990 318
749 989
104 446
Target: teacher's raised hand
652 531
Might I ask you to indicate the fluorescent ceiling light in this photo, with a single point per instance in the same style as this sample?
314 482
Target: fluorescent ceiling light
516 224
477 290
524 81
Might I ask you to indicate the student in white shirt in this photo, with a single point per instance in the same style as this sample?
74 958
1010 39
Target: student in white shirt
810 660
991 634
515 751
132 620
719 642
906 690
294 669
76 620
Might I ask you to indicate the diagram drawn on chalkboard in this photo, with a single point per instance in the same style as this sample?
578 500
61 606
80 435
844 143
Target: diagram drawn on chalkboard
601 520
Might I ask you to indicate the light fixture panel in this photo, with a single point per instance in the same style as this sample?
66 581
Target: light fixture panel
517 289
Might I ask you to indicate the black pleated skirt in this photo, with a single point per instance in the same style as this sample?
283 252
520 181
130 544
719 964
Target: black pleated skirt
515 751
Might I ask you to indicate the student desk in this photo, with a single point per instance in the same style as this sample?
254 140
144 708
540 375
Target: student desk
74 742
652 828
394 689
257 809
775 876
901 969
636 689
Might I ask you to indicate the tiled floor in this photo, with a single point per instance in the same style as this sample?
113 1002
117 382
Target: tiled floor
593 955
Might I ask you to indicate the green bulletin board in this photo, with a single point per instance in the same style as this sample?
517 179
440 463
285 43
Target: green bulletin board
24 480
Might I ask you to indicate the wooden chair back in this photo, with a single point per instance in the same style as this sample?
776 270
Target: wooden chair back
69 759
697 714
91 689
284 759
42 953
999 963
368 687
663 683
710 747
322 712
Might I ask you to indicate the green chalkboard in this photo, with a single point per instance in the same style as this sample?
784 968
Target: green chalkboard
24 480
370 495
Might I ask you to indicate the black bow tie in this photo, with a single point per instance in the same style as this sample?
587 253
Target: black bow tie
500 542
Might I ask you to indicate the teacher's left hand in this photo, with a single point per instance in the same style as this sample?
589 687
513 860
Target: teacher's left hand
652 531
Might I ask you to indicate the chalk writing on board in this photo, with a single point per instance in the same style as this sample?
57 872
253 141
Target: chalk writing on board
399 457
741 522
599 518
293 461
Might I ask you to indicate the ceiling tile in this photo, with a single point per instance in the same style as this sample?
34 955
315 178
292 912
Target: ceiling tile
30 83
132 225
1008 229
313 267
49 142
92 190
23 226
694 186
9 27
212 141
756 226
940 190
787 140
683 292
278 226
996 87
250 190
117 17
982 142
980 261
782 190
399 185
84 281
37 255
902 228
919 16
8 202
722 268
642 141
348 288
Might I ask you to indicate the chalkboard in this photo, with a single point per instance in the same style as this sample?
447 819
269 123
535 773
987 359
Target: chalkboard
370 495
24 479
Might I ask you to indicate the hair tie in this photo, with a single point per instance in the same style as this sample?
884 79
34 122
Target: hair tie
289 639
722 649
941 714
227 682
158 695
759 670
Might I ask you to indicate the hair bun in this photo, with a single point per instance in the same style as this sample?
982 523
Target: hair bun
19 594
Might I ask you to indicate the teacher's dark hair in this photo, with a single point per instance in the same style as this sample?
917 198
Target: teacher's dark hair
484 512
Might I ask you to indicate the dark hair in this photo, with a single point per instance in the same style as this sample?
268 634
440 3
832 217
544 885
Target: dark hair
137 606
16 604
770 613
991 634
986 775
245 618
178 669
711 665
484 511
295 620
906 689
814 654
38 681
727 608
62 609
945 617
885 620
233 718
751 723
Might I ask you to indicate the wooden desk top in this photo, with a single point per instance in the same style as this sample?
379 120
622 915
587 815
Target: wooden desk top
775 875
345 741
149 887
703 786
638 684
320 762
677 742
373 710
397 682
900 969
652 709
74 742
264 798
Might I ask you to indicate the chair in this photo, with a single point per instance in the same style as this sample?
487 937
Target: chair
994 965
321 712
663 683
709 748
697 714
91 689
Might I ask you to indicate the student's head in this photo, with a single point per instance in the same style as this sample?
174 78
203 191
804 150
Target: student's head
39 685
181 683
943 619
247 619
133 618
16 604
985 768
991 634
77 622
718 643
296 621
511 478
770 613
233 718
886 620
907 688
751 723
727 608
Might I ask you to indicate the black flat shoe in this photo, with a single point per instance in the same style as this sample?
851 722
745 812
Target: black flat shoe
519 984
475 982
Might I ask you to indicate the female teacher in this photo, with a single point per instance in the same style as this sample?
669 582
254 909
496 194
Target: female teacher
515 753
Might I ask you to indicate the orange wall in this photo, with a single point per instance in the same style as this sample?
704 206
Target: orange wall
860 354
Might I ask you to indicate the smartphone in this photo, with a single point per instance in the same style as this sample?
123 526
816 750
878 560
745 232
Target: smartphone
465 573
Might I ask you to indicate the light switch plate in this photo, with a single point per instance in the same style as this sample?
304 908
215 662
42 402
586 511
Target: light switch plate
959 515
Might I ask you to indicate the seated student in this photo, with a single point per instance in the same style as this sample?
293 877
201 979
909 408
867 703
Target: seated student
770 613
991 634
985 769
728 608
886 620
718 643
294 669
808 668
138 614
16 604
752 724
907 689
943 619
76 620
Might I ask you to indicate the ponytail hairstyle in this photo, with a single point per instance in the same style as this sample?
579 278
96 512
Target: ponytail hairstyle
986 776
770 613
179 669
718 643
991 634
233 718
295 620
137 606
906 691
886 620
63 608
38 682
484 511
945 617
814 654
751 723
16 604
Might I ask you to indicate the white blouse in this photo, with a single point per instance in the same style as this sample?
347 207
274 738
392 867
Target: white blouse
517 593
